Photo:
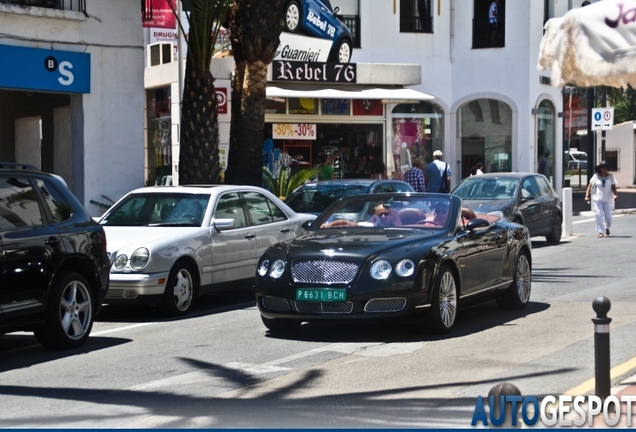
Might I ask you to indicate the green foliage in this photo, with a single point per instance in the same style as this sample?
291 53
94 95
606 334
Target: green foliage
205 19
284 183
105 205
624 102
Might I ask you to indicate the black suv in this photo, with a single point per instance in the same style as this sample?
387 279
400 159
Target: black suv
53 261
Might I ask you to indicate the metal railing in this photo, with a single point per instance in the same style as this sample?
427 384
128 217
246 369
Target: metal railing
70 5
353 23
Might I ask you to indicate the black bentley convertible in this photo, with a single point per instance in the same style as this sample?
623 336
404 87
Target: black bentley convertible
392 255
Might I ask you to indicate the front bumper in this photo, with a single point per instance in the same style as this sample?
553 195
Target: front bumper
144 287
378 306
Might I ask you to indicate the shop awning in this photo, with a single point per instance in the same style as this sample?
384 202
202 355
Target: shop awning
387 95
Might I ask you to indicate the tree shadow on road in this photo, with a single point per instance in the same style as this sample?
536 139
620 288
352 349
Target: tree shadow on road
244 404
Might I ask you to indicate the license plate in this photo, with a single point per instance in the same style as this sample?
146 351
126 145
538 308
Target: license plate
321 294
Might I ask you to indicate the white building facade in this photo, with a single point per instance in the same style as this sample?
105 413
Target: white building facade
490 103
71 98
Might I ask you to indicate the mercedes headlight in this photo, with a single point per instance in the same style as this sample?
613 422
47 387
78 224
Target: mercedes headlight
380 269
262 269
121 261
139 258
277 269
405 268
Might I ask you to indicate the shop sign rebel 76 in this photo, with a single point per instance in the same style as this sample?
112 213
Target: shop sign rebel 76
313 72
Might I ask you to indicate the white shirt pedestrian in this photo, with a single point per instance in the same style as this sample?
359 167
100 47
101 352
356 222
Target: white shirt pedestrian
602 192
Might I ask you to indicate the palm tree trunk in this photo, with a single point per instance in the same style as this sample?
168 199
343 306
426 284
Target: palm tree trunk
255 27
199 147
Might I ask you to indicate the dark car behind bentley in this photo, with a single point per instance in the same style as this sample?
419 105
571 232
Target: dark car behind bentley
526 198
53 262
391 255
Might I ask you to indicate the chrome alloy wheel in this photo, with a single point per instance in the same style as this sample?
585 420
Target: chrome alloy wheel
344 53
523 278
76 310
292 17
183 290
448 299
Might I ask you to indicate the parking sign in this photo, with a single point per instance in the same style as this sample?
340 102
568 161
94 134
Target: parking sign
602 118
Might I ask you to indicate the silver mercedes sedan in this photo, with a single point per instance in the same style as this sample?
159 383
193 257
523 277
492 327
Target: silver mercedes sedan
170 244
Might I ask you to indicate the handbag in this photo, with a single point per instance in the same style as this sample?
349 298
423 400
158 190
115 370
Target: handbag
443 188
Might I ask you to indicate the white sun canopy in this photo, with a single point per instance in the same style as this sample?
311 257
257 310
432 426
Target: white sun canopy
387 95
592 45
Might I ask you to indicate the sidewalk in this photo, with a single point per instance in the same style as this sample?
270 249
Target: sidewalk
625 388
625 203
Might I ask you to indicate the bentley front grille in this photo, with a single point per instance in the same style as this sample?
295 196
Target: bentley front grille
324 307
275 303
324 271
385 305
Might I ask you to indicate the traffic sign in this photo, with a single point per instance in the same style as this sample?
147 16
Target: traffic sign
602 118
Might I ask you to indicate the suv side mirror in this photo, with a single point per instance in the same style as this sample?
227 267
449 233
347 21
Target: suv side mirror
336 10
306 224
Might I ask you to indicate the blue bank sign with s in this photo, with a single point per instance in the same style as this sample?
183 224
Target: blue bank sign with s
44 70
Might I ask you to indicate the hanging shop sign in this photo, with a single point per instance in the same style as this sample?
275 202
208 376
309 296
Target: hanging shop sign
45 70
313 72
162 14
298 131
221 99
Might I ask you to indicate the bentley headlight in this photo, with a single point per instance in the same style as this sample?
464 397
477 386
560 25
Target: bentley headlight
262 269
405 268
277 270
380 269
121 261
139 258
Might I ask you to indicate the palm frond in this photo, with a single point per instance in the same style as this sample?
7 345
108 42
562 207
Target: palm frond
284 183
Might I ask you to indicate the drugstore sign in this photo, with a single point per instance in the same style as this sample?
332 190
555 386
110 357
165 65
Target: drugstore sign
44 70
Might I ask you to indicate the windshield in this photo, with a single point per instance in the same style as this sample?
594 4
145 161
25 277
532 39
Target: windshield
401 211
158 209
315 198
479 188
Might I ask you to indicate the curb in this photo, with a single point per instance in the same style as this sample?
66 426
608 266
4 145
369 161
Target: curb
616 212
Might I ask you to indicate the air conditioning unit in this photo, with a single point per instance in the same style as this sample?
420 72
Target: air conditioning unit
160 53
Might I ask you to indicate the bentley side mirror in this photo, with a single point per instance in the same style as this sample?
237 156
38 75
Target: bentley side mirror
336 10
223 224
529 198
473 224
306 224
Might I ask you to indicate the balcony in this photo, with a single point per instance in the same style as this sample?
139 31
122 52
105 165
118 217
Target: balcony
66 5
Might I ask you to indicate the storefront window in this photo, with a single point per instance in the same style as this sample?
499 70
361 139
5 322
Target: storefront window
303 106
545 139
418 130
275 106
159 151
335 106
484 129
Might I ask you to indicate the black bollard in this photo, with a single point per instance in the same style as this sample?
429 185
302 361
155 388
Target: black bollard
504 389
602 306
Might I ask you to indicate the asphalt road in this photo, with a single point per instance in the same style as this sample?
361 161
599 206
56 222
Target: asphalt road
219 367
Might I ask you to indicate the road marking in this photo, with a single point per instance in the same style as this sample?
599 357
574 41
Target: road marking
103 332
594 219
615 372
198 377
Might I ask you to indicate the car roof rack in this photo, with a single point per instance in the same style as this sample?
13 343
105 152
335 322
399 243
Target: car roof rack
16 165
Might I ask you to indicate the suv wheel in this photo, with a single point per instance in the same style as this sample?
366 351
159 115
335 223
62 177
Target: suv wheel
69 314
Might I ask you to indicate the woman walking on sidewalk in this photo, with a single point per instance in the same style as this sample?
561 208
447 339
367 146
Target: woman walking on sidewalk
602 187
